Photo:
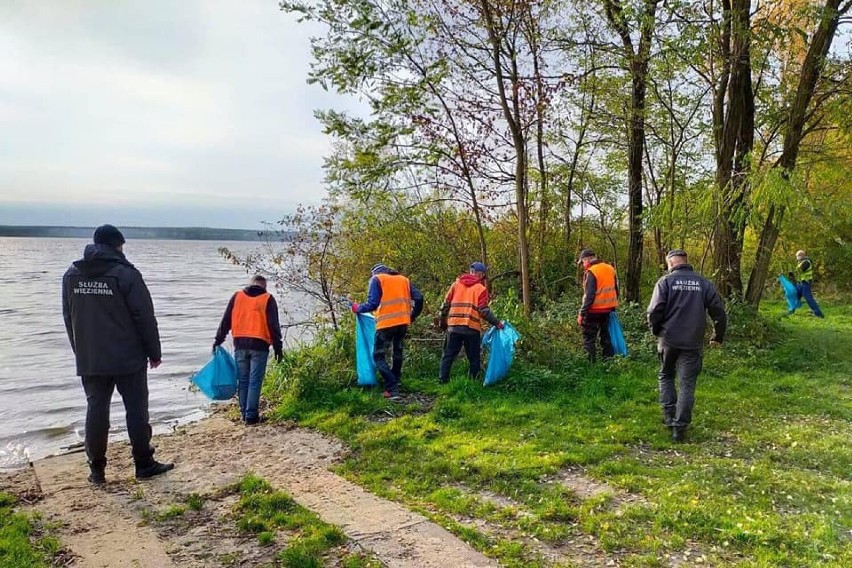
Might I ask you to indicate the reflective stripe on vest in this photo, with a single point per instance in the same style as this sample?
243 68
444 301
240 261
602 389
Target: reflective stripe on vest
606 298
248 319
395 306
806 275
463 306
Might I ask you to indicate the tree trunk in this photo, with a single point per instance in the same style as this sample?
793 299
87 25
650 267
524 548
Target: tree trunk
734 141
511 112
636 149
638 68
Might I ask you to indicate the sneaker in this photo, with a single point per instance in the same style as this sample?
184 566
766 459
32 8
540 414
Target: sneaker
152 470
392 395
679 433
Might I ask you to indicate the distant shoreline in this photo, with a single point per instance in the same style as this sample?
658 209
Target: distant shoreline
169 233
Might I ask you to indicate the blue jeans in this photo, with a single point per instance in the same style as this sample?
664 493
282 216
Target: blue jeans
804 291
251 368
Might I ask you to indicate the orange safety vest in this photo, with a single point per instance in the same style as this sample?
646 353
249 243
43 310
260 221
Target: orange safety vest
248 318
395 306
606 298
464 306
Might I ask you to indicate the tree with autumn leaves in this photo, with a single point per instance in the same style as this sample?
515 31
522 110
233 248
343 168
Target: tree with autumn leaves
631 126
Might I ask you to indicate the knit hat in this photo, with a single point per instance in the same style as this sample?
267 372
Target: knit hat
479 267
377 268
676 252
108 235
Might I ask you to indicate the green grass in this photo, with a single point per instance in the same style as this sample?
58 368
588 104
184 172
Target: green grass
766 478
264 511
172 512
195 502
22 543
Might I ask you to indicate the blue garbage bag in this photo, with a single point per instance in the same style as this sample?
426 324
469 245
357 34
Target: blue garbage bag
616 335
790 293
218 378
501 343
365 340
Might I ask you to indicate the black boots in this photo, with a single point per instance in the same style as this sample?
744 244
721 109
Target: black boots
679 433
96 473
152 469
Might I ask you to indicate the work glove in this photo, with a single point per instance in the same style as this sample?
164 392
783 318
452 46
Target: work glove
279 355
442 323
580 320
499 325
354 307
215 345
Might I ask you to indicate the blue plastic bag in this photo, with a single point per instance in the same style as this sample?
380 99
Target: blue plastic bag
501 342
616 335
218 378
790 293
365 340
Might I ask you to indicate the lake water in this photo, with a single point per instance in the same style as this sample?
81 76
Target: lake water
42 405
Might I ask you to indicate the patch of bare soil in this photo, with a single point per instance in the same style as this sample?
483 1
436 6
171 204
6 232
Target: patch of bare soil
128 523
408 403
21 483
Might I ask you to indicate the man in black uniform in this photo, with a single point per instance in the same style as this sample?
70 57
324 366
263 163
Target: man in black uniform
677 316
110 322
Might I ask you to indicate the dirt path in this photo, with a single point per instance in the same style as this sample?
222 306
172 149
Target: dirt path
107 527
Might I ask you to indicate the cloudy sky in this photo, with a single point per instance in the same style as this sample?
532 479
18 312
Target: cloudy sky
190 112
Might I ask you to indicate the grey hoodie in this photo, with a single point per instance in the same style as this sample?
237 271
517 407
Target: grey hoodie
676 313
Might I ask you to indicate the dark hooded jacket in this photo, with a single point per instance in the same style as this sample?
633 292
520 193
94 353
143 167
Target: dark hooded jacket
109 315
678 310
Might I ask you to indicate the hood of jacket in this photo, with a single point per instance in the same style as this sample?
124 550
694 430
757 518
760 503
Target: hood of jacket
468 280
99 259
254 290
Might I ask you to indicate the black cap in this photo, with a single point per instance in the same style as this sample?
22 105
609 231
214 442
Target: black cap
676 252
108 235
585 253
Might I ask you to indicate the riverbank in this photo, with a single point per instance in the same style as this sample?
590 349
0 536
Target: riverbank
565 465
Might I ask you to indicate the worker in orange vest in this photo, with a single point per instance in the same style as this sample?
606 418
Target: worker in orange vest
252 319
600 298
396 303
464 308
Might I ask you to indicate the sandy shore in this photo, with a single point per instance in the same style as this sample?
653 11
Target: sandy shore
110 526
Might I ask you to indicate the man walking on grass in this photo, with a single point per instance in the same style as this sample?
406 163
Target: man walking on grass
109 317
600 298
677 317
396 303
464 308
805 277
252 319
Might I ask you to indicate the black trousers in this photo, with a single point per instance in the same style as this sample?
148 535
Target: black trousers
597 325
390 337
683 365
133 389
453 346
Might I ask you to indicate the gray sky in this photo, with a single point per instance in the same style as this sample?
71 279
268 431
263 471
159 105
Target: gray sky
190 112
